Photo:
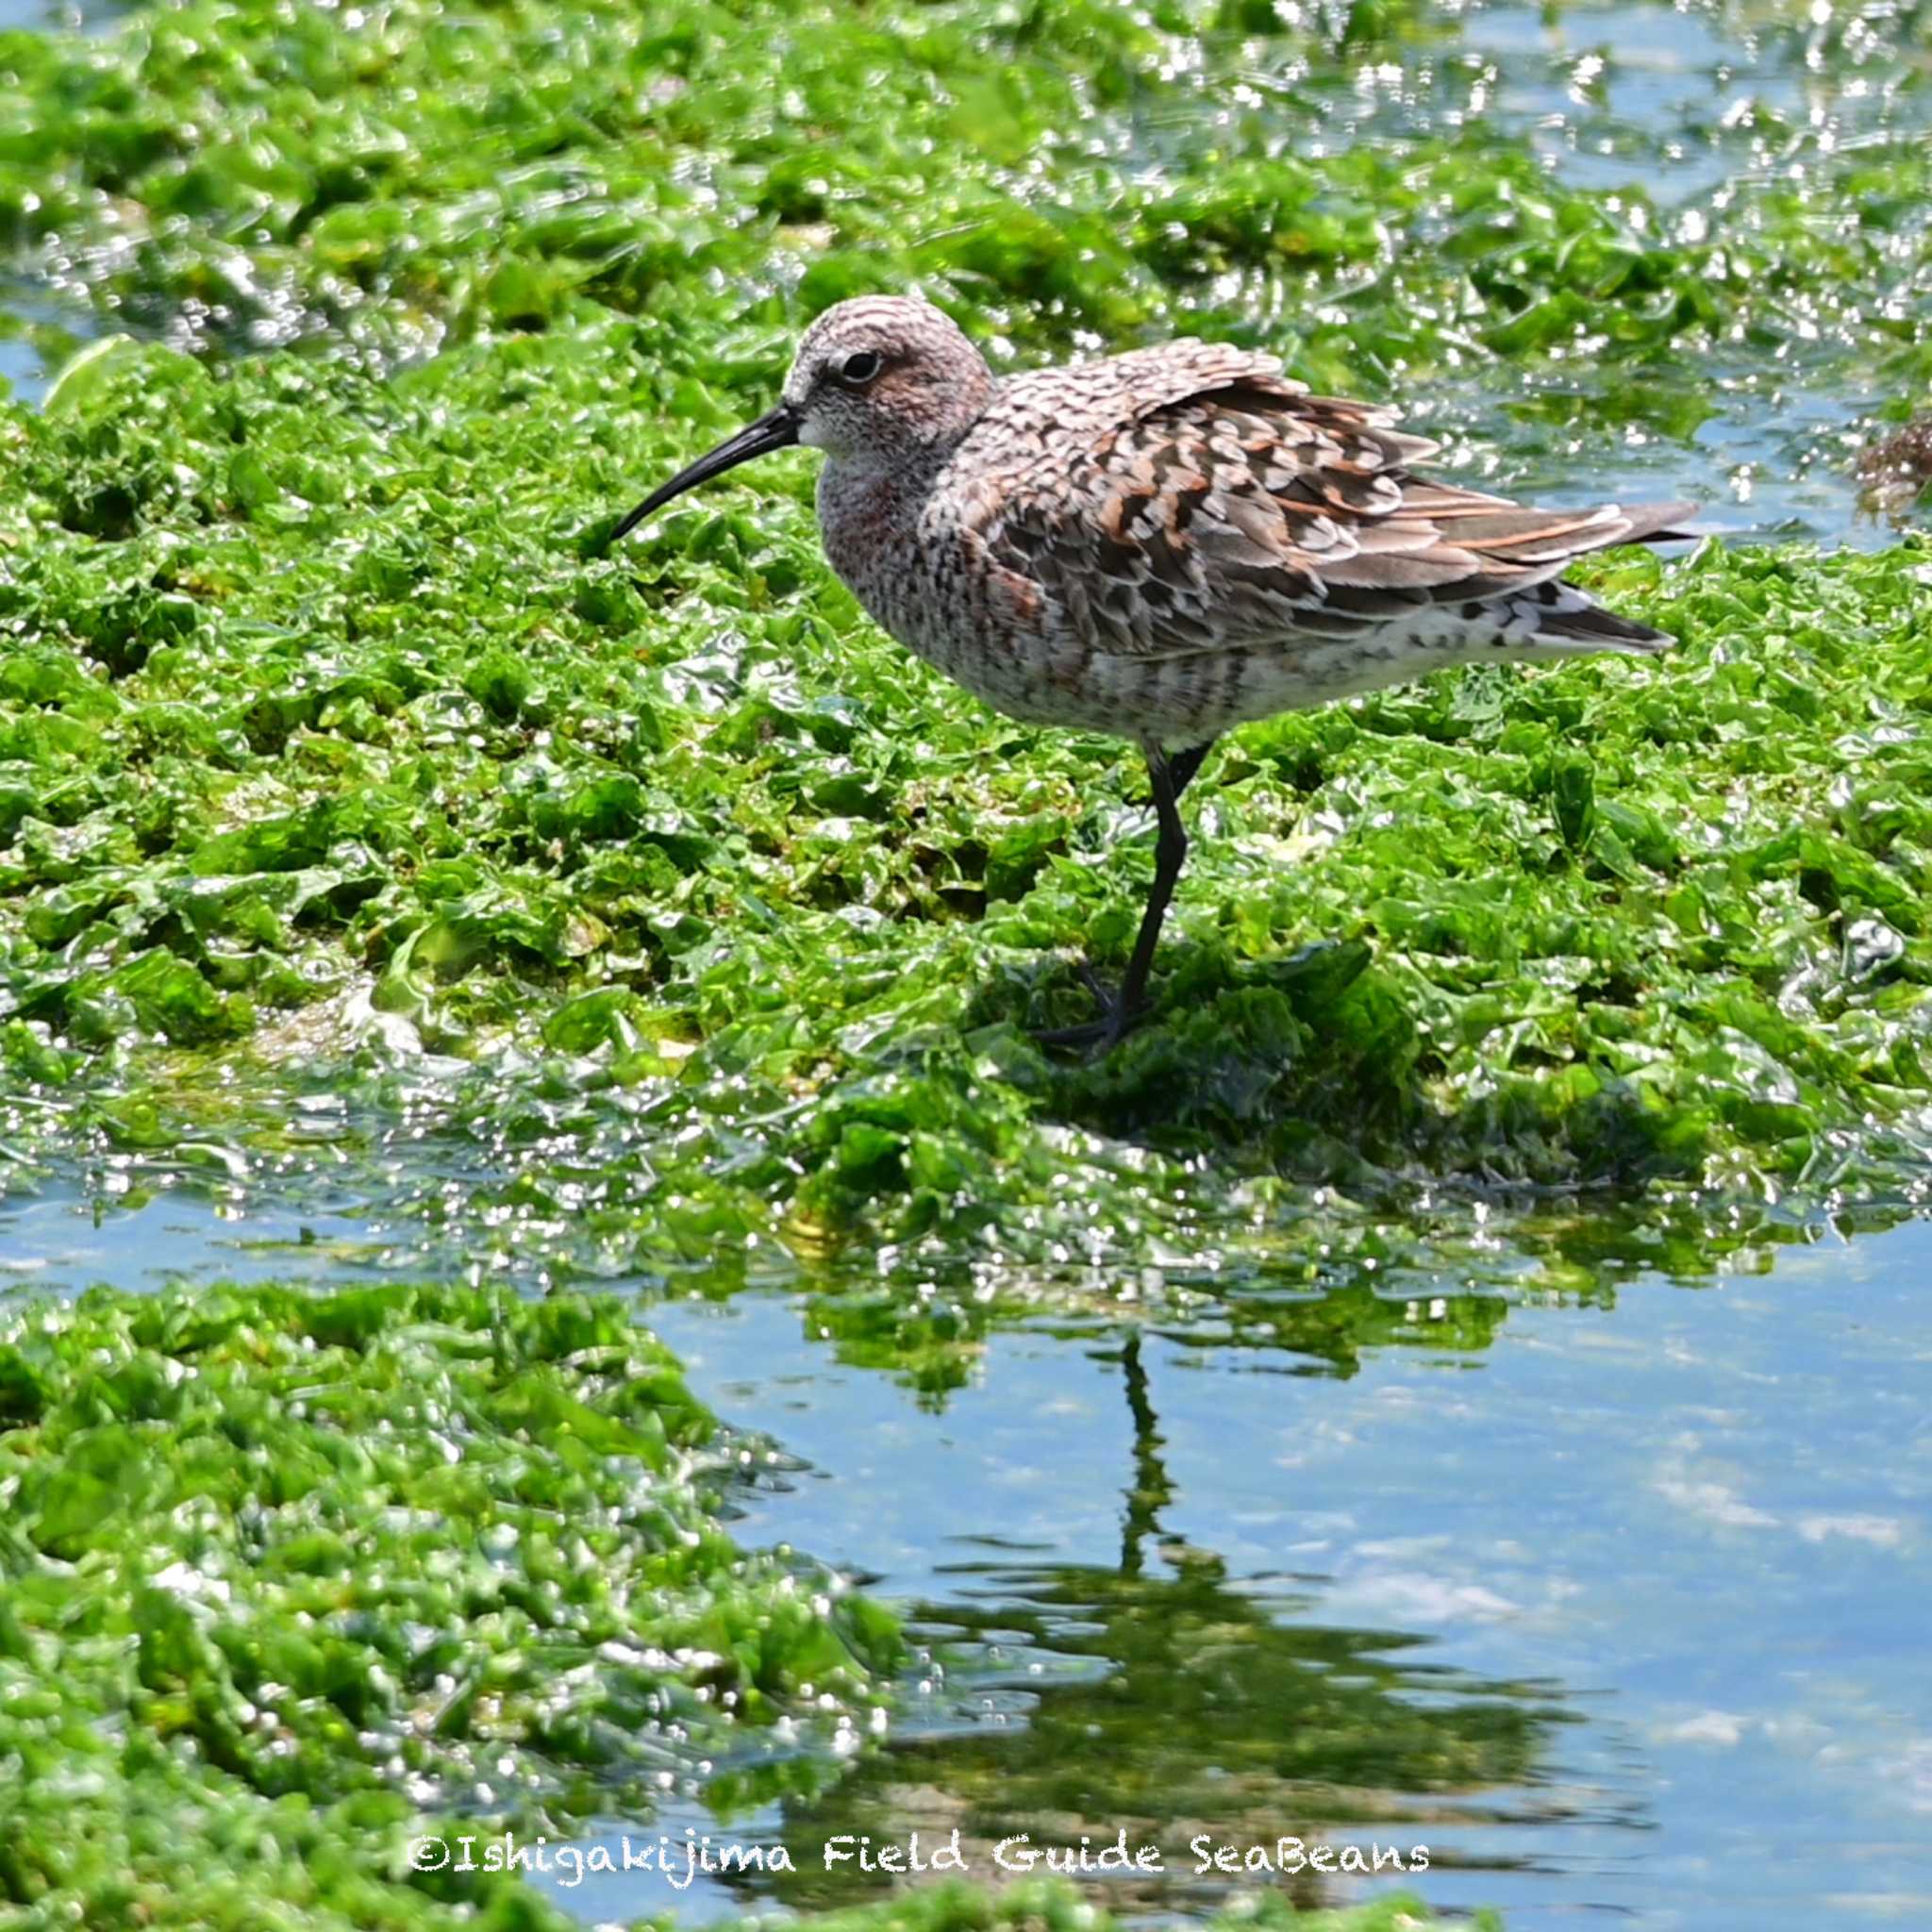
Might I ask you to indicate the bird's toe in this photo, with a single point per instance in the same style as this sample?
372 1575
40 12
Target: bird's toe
1116 1019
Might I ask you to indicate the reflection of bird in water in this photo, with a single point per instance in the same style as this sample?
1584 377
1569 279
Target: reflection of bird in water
1162 1694
1160 546
1150 1490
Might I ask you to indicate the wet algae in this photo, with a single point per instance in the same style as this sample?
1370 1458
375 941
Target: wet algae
370 829
296 1583
355 735
287 1578
328 725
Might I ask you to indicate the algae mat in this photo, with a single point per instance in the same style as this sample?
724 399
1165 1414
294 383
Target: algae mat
393 871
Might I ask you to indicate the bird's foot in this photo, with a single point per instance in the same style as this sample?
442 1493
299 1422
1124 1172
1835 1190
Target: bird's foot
1117 1019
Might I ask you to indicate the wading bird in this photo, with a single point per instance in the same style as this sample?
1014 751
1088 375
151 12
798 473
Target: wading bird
1161 544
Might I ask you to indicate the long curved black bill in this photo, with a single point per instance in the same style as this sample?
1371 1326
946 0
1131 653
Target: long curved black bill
775 430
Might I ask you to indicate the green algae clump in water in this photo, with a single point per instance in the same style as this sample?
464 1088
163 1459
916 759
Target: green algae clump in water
356 736
330 731
370 830
291 1579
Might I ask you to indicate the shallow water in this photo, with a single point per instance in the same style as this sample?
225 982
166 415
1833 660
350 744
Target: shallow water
87 15
1622 1615
1684 1544
38 332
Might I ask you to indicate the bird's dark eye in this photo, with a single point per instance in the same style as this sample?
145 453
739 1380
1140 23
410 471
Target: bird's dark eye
860 368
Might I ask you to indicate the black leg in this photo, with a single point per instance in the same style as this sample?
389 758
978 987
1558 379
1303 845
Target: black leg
1151 1491
1168 775
1170 854
1182 765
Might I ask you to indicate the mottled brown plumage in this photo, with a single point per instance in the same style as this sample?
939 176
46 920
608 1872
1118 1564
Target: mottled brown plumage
1162 544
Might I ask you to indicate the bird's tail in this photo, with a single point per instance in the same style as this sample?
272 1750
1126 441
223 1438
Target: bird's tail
1566 620
1558 617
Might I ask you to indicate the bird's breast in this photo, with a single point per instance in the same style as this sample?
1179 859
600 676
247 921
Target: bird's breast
905 548
867 520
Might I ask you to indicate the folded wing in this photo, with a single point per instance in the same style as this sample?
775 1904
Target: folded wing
1209 502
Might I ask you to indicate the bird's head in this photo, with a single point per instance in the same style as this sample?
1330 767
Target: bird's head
882 378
